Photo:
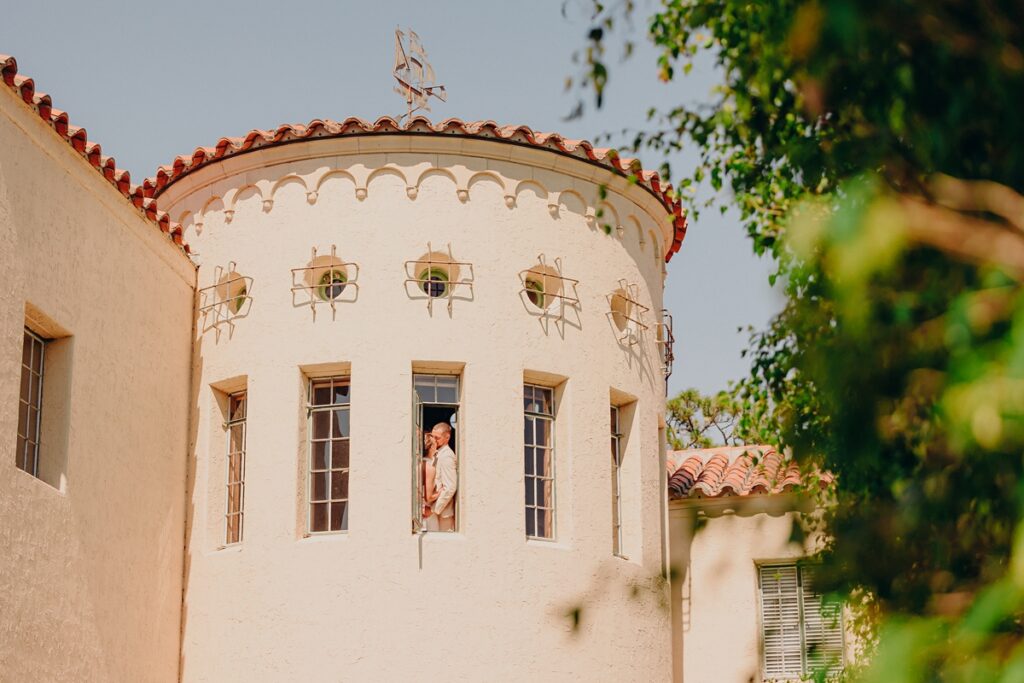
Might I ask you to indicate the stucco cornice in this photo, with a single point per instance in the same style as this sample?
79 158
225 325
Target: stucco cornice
453 137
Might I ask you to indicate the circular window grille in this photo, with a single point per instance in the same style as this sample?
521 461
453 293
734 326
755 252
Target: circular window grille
622 309
535 293
434 282
331 285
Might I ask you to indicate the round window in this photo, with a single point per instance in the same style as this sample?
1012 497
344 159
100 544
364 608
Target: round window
535 293
332 284
434 282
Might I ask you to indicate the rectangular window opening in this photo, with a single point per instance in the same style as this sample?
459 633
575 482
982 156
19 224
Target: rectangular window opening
435 452
802 632
30 403
616 445
235 478
329 433
539 460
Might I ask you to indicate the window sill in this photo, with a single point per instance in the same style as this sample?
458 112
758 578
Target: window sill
232 548
324 537
553 544
449 536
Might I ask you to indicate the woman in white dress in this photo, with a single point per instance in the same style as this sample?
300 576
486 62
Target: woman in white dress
429 467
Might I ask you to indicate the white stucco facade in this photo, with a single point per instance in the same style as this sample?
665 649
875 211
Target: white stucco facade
90 553
379 602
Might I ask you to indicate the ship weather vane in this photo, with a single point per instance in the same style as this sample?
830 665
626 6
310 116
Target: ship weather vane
414 74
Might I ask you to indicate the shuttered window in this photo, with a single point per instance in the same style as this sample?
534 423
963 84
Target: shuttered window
801 633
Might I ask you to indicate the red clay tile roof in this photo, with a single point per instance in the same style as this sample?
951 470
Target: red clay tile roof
732 471
41 103
580 149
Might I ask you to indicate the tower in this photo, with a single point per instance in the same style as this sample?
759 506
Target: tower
359 281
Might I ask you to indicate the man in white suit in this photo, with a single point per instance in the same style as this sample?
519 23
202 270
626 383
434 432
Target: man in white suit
446 478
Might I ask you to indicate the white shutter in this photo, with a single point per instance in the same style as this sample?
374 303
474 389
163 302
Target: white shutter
823 627
780 621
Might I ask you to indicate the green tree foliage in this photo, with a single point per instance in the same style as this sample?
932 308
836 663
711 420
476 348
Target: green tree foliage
698 421
876 150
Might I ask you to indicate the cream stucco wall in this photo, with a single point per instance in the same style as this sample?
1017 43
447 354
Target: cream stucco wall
90 572
377 602
716 546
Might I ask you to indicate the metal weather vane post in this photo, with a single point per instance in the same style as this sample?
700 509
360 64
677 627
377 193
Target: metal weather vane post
414 74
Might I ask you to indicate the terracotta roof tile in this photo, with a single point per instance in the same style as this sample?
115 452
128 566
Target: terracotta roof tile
42 104
733 471
580 149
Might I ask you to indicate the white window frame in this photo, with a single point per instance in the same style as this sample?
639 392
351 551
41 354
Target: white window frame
240 423
312 410
29 430
529 478
419 428
616 452
802 594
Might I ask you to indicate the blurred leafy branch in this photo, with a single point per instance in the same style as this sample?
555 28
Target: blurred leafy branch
876 151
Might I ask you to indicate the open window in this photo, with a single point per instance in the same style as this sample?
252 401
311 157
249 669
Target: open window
436 403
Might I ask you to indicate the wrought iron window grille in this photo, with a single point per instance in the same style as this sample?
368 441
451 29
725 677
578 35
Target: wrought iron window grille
330 282
548 302
632 315
431 278
666 340
228 298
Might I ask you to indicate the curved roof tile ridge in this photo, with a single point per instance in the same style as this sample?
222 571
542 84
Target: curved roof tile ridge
257 138
42 104
726 471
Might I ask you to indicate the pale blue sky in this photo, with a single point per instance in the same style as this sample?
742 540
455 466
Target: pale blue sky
150 81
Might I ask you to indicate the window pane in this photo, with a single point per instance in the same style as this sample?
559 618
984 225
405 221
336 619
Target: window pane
234 468
341 426
319 486
322 424
320 455
543 462
543 398
23 429
447 394
339 454
339 485
424 385
35 387
342 393
529 491
339 516
234 498
543 493
26 351
19 454
37 357
531 527
528 458
318 518
237 409
237 433
25 379
542 524
543 432
528 431
322 394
